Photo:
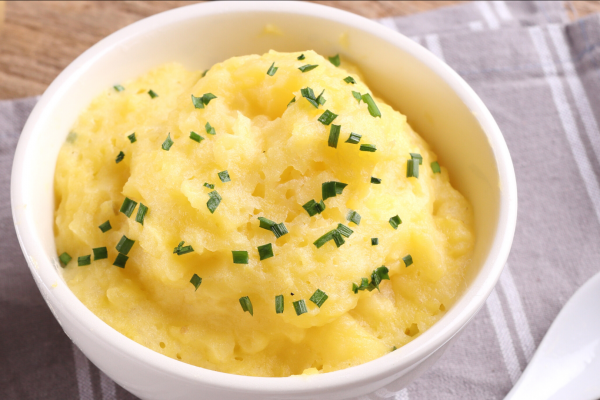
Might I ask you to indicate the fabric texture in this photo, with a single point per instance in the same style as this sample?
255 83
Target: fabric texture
540 77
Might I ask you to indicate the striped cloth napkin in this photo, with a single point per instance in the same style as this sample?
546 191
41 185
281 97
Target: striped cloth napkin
540 77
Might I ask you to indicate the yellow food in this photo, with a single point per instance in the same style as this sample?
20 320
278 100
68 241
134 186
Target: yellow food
278 157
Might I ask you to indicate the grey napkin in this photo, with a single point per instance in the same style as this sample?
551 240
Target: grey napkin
540 77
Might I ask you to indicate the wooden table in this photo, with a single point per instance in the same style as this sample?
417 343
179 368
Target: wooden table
40 39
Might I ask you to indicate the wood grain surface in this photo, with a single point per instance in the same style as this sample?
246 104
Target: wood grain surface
39 39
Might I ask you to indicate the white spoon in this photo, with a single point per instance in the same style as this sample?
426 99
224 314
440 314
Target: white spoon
566 365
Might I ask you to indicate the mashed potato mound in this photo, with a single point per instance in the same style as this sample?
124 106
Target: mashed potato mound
277 156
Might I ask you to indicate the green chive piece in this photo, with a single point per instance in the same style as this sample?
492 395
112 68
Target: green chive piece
327 117
377 276
394 348
368 147
272 69
300 307
335 60
344 230
339 187
200 102
120 260
417 156
349 79
100 253
196 281
395 221
195 137
124 245
309 95
324 239
357 96
71 137
279 230
204 73
197 102
364 284
319 297
374 241
435 167
167 143
321 99
209 129
118 88
301 57
84 260
246 305
307 67
240 256
207 97
412 168
181 249
214 201
132 138
376 181
224 176
354 138
265 251
152 93
141 214
279 304
120 157
292 101
105 227
266 223
353 216
313 208
64 259
337 237
328 189
127 207
209 185
407 260
373 110
334 135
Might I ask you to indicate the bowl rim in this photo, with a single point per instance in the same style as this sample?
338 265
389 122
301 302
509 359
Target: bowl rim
409 355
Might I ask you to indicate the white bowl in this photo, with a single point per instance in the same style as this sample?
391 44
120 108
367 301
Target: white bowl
438 103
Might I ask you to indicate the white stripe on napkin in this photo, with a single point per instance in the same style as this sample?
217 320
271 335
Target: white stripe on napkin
487 14
82 372
109 389
502 10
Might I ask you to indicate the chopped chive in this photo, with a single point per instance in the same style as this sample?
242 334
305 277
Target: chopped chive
324 239
357 96
196 281
105 227
141 214
337 237
407 260
327 117
328 189
377 276
373 110
209 185
84 260
307 67
152 93
195 137
339 187
71 137
279 304
127 207
214 201
349 79
368 147
210 129
394 348
435 167
292 101
301 57
167 143
265 251
344 230
354 138
395 221
300 307
224 176
124 245
200 102
334 135
266 223
417 156
272 69
353 216
313 208
364 284
279 230
132 138
319 297
121 260
246 305
412 168
118 88
309 95
240 256
64 259
197 102
181 249
335 60
100 253
374 241
120 157
376 181
320 98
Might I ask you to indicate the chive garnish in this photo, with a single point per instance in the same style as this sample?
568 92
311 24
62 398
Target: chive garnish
337 238
349 79
344 230
374 241
435 167
377 276
417 156
300 307
320 98
246 305
265 251
124 245
120 260
142 210
334 135
272 69
240 256
412 168
127 207
152 93
167 143
181 249
64 259
301 57
118 88
364 284
339 187
307 67
84 260
309 95
279 304
407 260
120 157
214 201
210 129
395 221
266 223
313 208
100 253
105 227
195 137
209 185
279 230
196 281
332 188
132 138
353 216
357 96
376 181
354 138
368 147
335 60
204 73
292 101
324 239
224 176
319 297
200 102
327 117
373 110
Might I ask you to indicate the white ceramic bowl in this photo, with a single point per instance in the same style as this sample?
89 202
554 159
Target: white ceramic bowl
438 103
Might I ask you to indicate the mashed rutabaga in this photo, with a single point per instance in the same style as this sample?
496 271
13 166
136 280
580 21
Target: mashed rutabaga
169 249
